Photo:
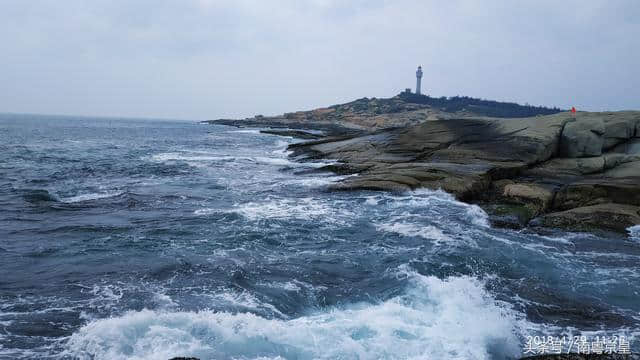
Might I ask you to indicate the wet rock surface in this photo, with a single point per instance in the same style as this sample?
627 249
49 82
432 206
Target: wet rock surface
576 171
553 178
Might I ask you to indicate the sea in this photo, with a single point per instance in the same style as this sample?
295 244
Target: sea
152 239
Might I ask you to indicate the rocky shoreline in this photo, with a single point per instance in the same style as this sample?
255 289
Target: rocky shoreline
579 172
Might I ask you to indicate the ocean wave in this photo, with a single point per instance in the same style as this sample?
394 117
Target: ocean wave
244 301
428 232
301 209
246 131
282 145
434 199
316 181
477 216
173 156
35 196
91 196
634 232
201 158
205 211
452 318
274 161
41 195
371 201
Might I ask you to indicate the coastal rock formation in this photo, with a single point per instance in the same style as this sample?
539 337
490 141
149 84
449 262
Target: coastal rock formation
597 132
583 138
576 173
609 216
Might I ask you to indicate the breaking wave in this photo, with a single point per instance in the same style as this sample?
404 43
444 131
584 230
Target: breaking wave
220 246
91 196
454 318
428 232
301 209
634 232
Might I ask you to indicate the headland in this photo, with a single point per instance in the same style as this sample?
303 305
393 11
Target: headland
526 166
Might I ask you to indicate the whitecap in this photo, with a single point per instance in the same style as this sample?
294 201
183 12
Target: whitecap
205 211
371 201
163 300
477 216
245 301
282 145
425 198
172 156
246 131
561 239
91 196
301 209
634 232
428 232
106 296
454 318
274 161
316 181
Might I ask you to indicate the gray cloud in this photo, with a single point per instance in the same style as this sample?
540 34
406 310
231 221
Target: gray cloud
201 59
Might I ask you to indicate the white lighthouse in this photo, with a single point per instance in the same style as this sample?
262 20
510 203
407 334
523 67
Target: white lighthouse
418 79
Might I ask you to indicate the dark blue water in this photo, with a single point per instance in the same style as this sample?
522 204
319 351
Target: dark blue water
131 239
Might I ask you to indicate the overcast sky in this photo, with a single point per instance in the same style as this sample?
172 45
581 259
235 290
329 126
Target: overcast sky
204 59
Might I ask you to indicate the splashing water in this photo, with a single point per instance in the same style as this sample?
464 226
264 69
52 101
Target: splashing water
126 239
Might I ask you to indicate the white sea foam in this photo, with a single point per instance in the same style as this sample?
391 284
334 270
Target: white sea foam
316 181
428 232
294 285
172 156
205 211
432 199
274 161
455 318
282 145
246 131
105 296
371 200
634 232
291 286
302 209
477 216
427 213
565 239
91 196
163 300
244 301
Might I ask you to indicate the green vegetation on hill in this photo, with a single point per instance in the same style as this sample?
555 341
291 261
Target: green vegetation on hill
478 106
